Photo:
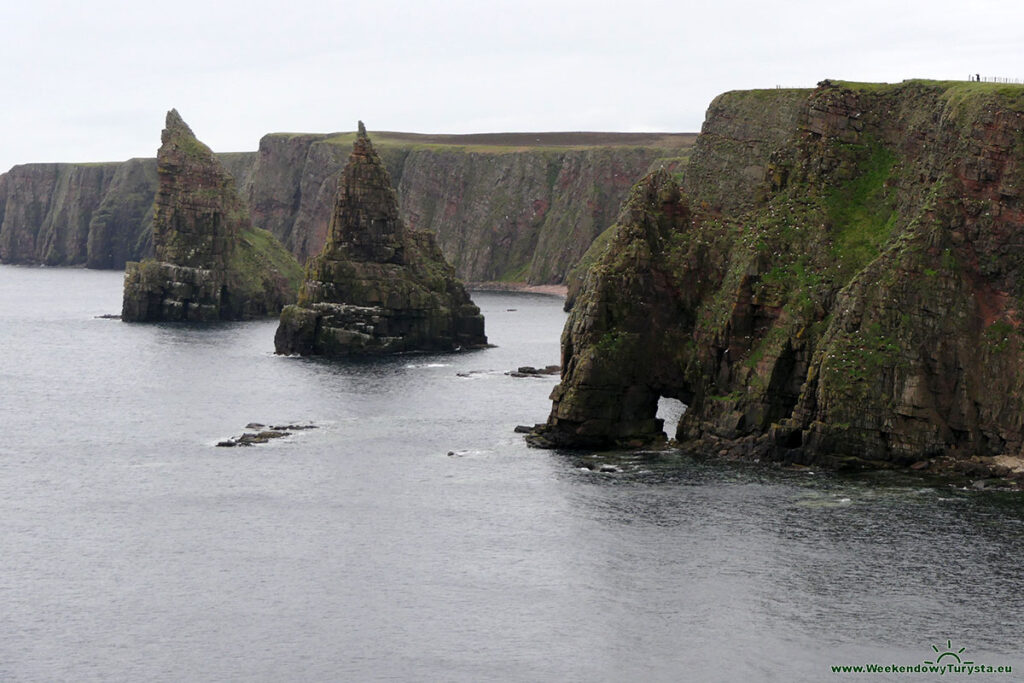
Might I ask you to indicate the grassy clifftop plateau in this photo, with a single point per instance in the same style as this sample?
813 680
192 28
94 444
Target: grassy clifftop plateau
837 279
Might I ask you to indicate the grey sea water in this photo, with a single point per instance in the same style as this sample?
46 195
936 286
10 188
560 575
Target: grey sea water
133 549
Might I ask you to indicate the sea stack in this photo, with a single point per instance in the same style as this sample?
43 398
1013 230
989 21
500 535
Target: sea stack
210 262
377 287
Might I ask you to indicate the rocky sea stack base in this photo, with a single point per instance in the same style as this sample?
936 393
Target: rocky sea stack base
210 262
377 287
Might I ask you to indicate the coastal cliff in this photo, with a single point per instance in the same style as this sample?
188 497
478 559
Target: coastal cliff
46 211
517 207
96 215
837 280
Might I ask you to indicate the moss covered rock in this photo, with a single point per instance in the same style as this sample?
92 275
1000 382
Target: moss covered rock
210 262
838 280
377 287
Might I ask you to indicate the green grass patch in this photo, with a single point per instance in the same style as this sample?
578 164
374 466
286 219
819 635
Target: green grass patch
193 147
862 86
731 397
998 335
766 95
515 273
612 343
970 97
578 273
507 144
960 96
258 257
861 211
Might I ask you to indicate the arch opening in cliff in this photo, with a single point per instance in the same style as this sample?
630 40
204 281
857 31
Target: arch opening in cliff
670 412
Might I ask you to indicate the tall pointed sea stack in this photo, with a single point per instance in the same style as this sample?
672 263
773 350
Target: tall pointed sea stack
377 287
210 263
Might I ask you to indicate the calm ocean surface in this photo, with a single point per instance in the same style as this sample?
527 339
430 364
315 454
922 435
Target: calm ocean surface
132 549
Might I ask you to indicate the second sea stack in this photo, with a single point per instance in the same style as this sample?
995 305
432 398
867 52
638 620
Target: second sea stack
377 287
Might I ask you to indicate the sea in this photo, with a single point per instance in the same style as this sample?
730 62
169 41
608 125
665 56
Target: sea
412 535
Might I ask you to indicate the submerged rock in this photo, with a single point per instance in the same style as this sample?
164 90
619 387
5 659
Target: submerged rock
377 287
838 280
252 438
530 371
210 263
263 435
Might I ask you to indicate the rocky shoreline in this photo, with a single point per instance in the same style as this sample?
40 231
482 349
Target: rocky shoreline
524 287
1001 472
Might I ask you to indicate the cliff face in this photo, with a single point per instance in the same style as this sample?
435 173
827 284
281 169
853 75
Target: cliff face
502 207
121 227
97 215
846 290
517 207
46 209
377 287
528 216
210 263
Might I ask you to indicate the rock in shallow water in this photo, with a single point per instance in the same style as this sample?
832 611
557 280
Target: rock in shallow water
262 436
530 371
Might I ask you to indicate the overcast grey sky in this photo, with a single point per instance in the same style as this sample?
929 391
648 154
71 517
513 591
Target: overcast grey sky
90 81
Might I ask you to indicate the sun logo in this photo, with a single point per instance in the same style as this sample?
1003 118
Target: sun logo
948 653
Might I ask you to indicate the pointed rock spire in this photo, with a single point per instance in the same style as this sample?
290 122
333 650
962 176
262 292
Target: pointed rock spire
174 126
210 263
365 225
198 213
377 287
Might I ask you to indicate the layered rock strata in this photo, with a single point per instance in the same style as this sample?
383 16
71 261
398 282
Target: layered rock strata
839 280
46 210
210 263
377 287
513 207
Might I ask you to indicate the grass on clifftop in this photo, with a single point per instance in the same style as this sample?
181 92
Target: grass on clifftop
956 93
775 92
504 143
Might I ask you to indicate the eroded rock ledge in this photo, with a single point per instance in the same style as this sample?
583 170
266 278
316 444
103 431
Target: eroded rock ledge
377 287
841 283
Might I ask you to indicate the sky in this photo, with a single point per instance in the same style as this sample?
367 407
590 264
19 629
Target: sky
91 81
